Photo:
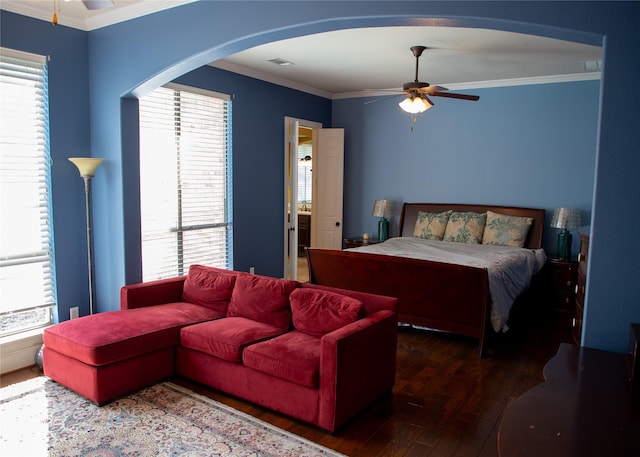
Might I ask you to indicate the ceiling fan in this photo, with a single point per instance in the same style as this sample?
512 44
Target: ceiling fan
89 4
419 92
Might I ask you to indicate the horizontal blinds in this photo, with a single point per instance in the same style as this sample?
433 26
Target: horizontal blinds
27 283
304 173
184 181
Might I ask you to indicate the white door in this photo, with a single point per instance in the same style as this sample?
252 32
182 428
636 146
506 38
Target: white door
290 198
328 173
328 165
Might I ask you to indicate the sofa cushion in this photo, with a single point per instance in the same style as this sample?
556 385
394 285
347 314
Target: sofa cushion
226 338
294 356
208 286
317 312
262 299
113 336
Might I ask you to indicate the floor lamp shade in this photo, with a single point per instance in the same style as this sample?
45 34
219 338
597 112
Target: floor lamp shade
87 167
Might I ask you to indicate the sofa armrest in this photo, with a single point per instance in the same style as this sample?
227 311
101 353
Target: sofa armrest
152 293
357 366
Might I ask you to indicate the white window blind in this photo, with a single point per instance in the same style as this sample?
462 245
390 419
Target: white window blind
304 173
185 181
27 280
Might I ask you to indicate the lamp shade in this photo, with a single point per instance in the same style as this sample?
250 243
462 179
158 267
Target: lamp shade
86 165
566 218
382 208
415 105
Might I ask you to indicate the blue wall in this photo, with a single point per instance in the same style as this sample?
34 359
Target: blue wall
525 146
128 59
259 110
70 137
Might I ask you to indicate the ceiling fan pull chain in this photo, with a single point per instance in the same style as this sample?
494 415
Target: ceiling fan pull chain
413 121
55 16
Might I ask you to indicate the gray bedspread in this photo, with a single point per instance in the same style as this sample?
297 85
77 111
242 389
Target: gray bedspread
509 269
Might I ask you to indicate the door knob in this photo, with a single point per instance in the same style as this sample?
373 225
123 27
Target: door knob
337 224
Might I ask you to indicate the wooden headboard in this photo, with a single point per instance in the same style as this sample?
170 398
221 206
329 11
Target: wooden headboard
410 214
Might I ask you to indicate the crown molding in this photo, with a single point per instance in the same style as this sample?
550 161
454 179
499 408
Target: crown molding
252 73
239 69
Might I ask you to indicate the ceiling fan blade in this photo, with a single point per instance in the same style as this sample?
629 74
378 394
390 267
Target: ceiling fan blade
97 4
431 89
394 91
472 98
381 98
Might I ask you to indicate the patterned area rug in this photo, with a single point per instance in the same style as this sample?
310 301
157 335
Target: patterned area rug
40 417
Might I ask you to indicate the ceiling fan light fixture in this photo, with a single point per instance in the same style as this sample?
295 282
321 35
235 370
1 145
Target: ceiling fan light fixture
415 105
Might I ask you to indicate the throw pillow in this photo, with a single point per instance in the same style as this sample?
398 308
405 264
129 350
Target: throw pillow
465 227
318 312
431 226
503 230
208 286
262 299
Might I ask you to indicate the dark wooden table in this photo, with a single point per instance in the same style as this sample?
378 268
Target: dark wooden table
585 407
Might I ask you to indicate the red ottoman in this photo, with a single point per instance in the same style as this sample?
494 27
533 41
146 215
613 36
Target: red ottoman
107 355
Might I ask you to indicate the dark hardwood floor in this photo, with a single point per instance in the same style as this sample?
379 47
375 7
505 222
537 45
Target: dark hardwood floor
446 401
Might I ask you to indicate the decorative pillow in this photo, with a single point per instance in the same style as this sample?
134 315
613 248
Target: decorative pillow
262 299
503 230
431 226
318 312
208 286
465 227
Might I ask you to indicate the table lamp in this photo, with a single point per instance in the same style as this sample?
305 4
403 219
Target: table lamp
565 219
381 208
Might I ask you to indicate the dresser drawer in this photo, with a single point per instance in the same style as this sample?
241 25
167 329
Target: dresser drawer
563 299
564 280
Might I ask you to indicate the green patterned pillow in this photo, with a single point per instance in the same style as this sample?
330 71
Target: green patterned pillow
503 230
465 227
431 226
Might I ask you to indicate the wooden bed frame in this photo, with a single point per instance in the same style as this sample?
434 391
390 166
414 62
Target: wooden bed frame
440 296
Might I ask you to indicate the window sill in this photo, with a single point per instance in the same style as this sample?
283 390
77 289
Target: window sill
19 350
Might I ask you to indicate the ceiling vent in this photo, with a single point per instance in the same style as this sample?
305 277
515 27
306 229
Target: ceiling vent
281 62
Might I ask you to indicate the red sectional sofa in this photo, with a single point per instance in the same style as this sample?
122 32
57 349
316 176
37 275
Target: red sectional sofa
315 353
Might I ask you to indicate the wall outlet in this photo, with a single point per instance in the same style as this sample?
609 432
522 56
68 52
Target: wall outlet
252 270
74 313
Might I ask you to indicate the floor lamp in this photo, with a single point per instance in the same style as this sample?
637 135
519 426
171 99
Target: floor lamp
87 167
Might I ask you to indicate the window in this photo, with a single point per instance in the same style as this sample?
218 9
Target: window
185 181
304 174
27 279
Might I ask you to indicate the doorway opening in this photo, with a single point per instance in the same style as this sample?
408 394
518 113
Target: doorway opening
299 195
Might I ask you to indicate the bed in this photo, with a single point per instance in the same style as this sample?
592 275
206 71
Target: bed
439 294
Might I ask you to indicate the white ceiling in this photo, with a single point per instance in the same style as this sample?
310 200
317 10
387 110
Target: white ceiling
356 62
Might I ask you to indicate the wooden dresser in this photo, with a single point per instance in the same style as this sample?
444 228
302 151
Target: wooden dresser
580 286
586 407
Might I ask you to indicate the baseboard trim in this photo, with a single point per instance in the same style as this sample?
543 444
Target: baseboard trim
19 353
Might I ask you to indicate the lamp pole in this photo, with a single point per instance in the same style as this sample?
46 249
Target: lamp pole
87 167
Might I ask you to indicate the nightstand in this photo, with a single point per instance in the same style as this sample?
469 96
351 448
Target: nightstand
563 277
357 241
